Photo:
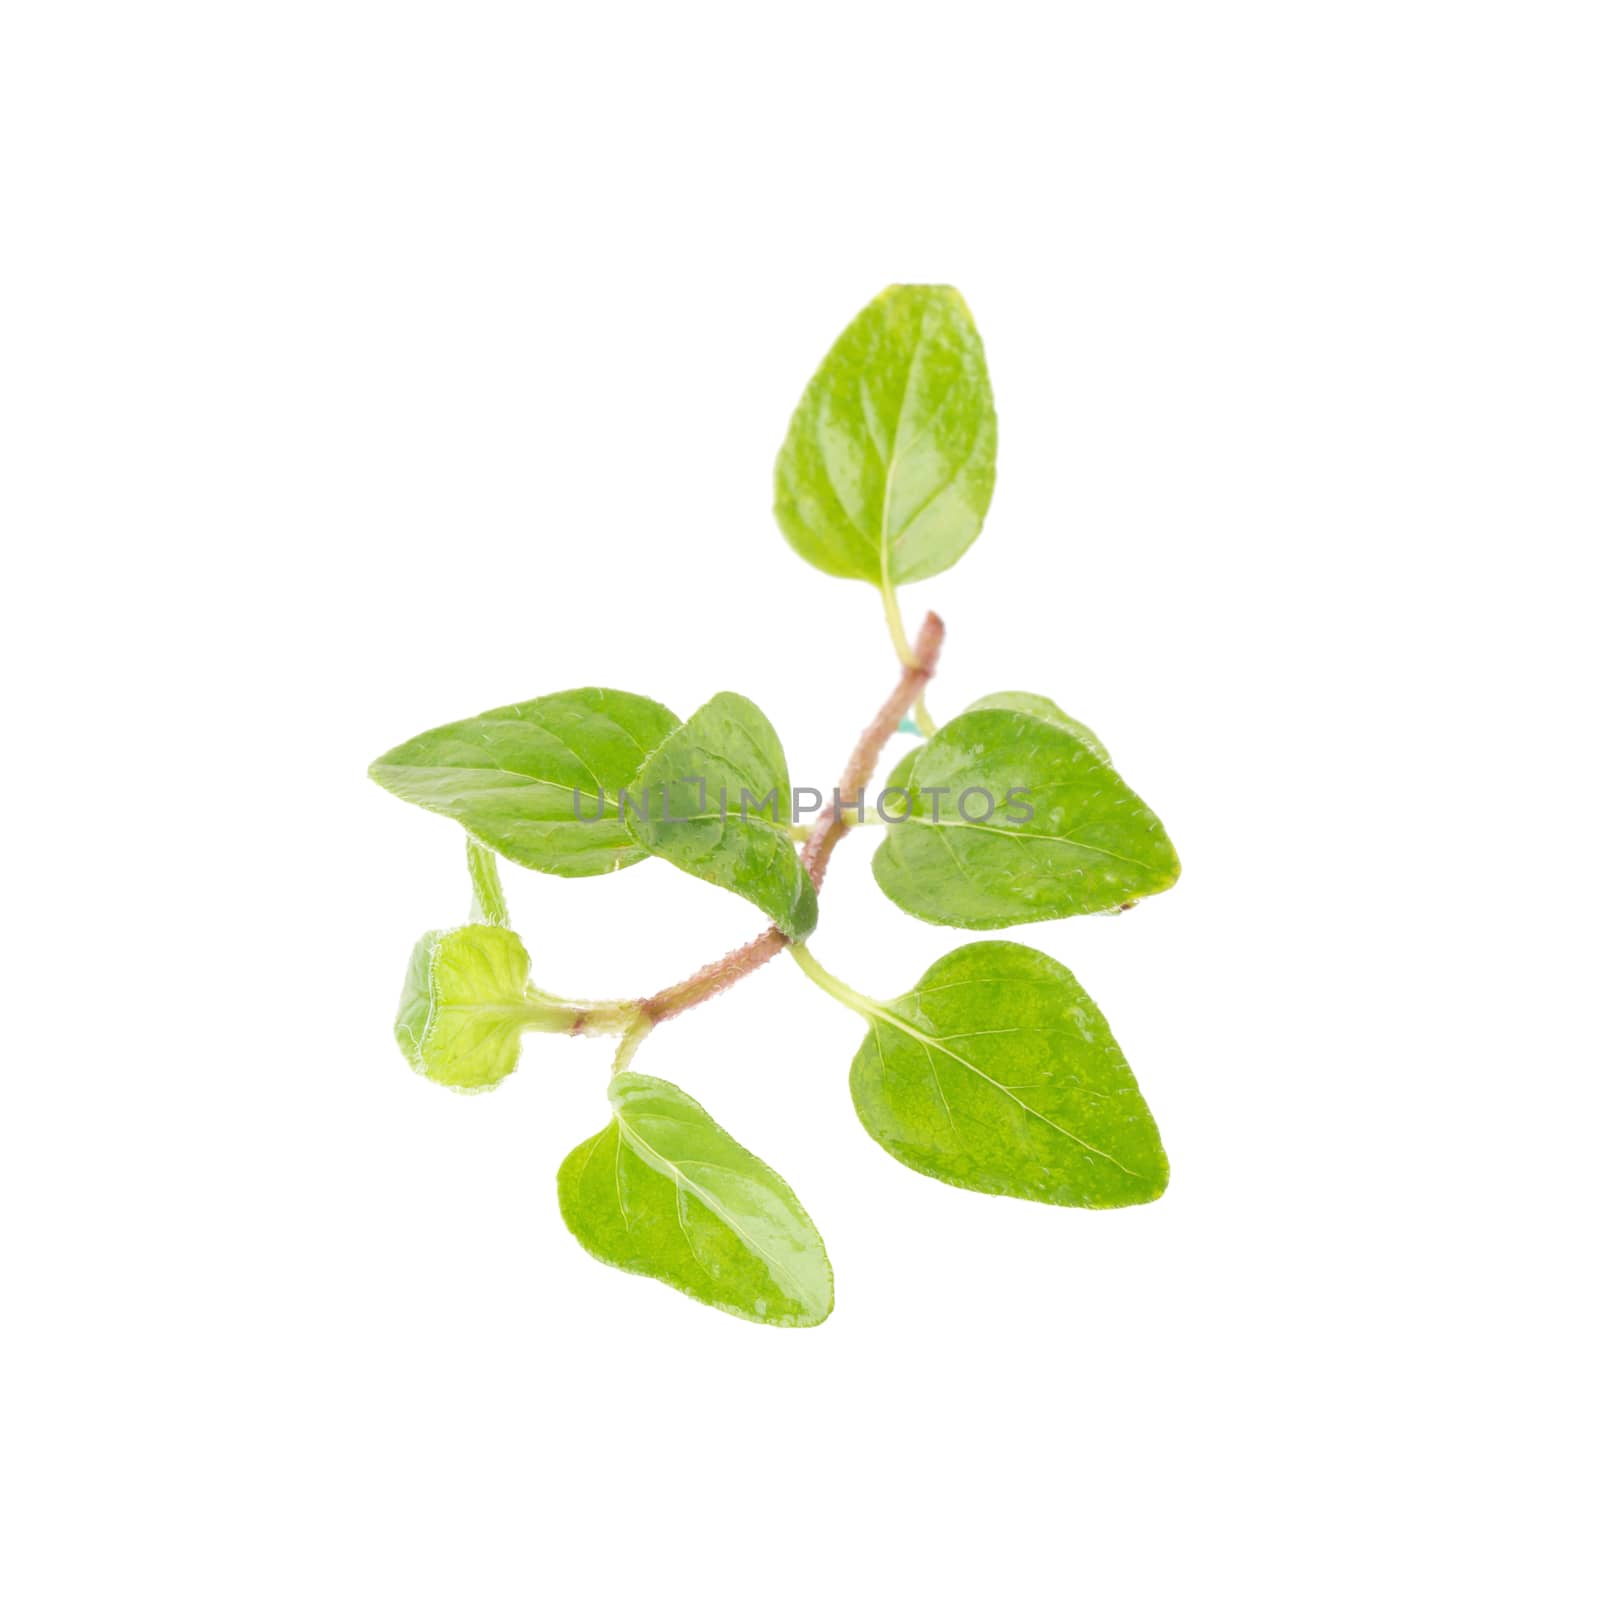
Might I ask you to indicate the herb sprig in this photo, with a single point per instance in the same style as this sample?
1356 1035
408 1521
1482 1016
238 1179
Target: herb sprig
995 1071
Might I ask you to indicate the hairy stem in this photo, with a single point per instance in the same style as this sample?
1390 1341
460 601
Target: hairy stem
550 1013
830 828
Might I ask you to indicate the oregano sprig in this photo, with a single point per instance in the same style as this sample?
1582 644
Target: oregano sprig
995 1071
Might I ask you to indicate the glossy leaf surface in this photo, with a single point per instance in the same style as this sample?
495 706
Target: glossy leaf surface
537 781
1037 706
998 1073
888 468
1090 843
719 806
663 1191
465 1005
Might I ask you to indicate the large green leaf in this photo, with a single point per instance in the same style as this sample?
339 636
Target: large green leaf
465 1006
714 800
1089 844
663 1191
537 781
888 468
998 1073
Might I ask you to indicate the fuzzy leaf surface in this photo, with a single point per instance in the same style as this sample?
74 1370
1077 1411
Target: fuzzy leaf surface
464 1007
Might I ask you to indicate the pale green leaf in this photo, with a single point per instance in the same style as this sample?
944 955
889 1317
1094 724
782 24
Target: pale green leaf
1037 706
537 781
888 469
1017 819
714 799
466 1004
664 1192
998 1073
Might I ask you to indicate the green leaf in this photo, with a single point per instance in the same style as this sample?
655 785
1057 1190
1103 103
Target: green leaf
1037 706
888 468
663 1191
897 786
717 804
998 1073
537 781
466 1004
1089 844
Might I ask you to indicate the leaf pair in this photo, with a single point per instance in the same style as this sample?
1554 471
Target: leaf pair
995 1073
593 780
1013 813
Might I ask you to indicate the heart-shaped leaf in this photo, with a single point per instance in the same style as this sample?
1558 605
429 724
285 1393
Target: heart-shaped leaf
714 800
537 781
663 1191
465 1006
998 1073
1017 819
888 469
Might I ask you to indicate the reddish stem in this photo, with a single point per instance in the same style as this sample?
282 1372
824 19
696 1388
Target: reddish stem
829 830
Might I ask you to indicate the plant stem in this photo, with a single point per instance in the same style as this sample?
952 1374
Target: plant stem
550 1013
829 829
638 1031
902 648
897 627
488 893
837 987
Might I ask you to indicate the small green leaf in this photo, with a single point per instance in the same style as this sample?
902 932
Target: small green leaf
1017 819
663 1191
1037 706
714 800
466 1004
998 1073
537 781
888 469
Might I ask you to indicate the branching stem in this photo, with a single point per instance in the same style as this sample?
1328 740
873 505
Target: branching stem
638 1031
920 661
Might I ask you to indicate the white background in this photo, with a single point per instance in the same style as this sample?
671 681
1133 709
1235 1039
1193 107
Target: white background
366 366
